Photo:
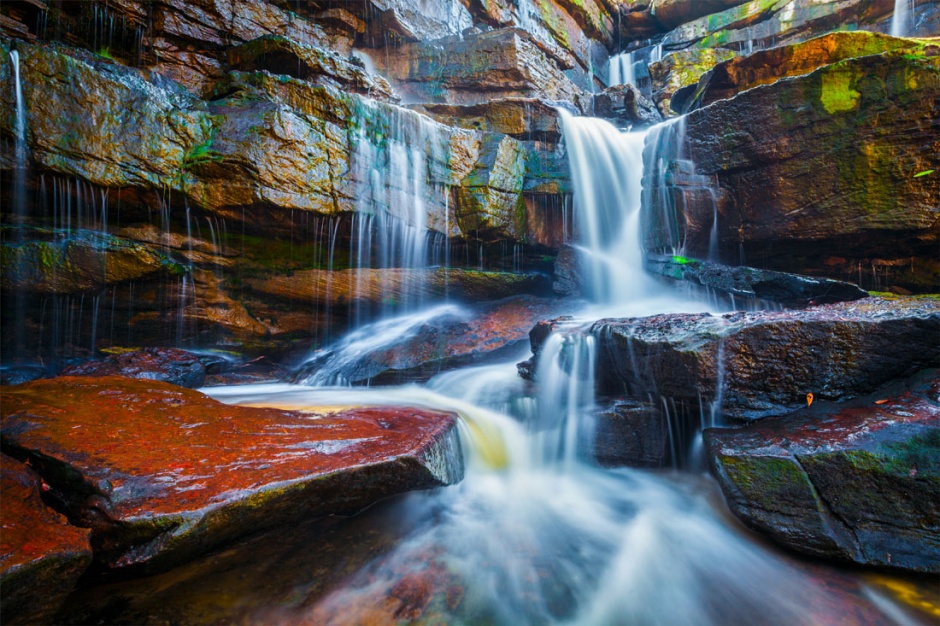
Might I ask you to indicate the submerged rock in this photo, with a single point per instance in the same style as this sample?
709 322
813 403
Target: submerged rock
41 555
169 365
791 290
411 348
162 473
856 482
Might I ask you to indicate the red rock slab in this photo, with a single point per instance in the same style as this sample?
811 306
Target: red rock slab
41 555
161 473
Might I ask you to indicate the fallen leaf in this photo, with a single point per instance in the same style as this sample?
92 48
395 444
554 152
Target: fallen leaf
880 401
809 399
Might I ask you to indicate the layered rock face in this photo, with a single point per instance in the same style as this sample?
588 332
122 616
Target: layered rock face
827 172
158 133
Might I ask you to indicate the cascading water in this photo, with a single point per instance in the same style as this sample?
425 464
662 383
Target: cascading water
620 70
19 130
902 18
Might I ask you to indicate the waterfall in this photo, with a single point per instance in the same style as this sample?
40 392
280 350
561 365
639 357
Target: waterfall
19 130
620 70
606 172
902 18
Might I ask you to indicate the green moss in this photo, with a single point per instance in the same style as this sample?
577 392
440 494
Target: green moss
837 93
921 451
681 260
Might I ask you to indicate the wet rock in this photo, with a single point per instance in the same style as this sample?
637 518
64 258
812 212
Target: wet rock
504 63
421 347
680 70
626 107
19 374
764 363
631 434
266 144
569 273
520 118
672 13
169 365
766 23
767 66
856 481
790 290
41 555
280 55
372 286
857 133
47 261
162 473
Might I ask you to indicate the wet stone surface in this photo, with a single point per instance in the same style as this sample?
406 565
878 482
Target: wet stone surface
856 481
161 473
41 555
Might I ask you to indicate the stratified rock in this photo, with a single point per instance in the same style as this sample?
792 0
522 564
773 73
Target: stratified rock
767 66
856 482
273 143
681 69
765 23
162 473
520 118
672 13
371 286
46 261
830 169
764 363
626 107
169 365
791 290
503 63
632 435
279 55
414 348
41 555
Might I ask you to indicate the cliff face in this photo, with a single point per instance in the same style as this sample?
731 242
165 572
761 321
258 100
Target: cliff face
174 154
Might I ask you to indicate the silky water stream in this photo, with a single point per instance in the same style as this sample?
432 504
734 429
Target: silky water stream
536 533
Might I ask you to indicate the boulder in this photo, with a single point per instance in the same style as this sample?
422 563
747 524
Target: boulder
790 290
626 107
855 481
41 555
858 133
416 347
763 67
764 363
161 473
169 365
680 70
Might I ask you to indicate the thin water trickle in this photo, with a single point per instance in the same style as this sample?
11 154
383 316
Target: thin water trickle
902 18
